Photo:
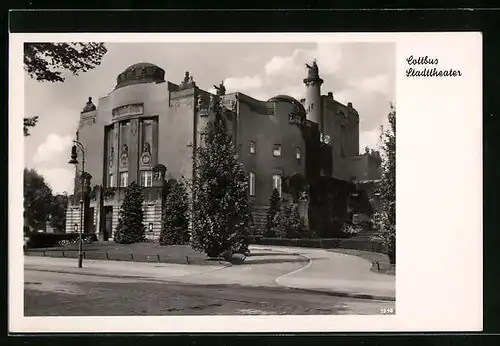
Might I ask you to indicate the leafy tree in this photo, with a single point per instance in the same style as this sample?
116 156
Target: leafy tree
288 223
58 212
37 199
385 218
29 122
46 61
274 208
130 228
221 209
175 218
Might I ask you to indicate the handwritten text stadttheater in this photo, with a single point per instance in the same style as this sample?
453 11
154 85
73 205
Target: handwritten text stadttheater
428 71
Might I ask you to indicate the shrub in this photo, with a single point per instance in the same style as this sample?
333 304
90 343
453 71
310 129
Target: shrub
274 208
130 228
175 220
288 223
40 240
349 229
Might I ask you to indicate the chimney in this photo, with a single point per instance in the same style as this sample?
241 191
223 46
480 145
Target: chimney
330 95
302 100
349 104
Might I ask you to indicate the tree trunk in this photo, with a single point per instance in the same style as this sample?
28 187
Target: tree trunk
392 254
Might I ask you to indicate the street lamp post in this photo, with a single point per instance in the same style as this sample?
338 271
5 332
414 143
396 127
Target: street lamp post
74 161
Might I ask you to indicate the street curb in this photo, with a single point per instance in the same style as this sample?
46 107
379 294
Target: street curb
343 294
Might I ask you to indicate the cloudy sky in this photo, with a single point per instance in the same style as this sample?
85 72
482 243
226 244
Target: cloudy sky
361 73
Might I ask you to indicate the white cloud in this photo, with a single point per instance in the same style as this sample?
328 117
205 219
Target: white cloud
329 57
291 65
53 146
59 179
243 83
376 83
369 139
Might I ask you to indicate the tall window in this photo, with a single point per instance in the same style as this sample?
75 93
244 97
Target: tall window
251 184
146 178
111 182
277 183
252 147
277 150
297 153
123 179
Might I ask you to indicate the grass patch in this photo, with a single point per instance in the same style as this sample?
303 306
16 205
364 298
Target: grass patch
138 252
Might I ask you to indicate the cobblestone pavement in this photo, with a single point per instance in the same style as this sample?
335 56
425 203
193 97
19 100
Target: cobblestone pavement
60 294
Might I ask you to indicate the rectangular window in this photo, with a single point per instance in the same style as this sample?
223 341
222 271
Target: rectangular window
252 184
146 178
277 150
111 182
277 183
297 153
252 147
123 179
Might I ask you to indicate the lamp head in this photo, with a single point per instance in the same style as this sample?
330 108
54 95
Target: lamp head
74 156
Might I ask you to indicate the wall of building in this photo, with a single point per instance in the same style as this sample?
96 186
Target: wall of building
335 117
176 134
266 130
364 167
91 135
73 218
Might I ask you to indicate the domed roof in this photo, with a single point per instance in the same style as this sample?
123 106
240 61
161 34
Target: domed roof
286 98
142 72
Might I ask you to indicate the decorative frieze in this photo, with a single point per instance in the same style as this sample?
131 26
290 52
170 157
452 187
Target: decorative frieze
128 111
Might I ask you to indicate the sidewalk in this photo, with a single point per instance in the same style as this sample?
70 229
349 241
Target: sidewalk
121 269
313 270
338 274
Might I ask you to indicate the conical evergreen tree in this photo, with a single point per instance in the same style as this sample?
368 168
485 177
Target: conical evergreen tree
221 209
288 223
175 218
274 207
385 218
130 228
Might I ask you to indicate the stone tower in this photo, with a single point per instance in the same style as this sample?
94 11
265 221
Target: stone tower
313 95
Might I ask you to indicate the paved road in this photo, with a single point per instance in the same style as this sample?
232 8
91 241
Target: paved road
64 294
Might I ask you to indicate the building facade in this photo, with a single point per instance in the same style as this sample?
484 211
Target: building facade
146 121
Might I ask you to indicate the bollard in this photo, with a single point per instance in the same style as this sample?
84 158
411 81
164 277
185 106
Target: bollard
187 260
107 256
378 266
63 254
158 258
84 256
132 256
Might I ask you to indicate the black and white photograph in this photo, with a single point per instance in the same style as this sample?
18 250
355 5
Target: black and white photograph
217 178
213 178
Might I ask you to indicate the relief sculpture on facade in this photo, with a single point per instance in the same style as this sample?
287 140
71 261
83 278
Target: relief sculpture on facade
111 158
124 156
146 154
133 128
128 110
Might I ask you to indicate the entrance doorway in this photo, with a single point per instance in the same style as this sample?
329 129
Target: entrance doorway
108 222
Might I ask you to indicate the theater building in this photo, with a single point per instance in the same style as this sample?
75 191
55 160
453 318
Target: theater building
146 121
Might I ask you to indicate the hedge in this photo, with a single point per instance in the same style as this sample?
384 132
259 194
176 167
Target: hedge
39 240
324 243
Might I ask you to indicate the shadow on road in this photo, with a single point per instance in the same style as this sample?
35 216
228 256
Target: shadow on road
250 260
